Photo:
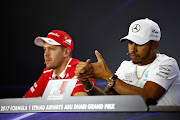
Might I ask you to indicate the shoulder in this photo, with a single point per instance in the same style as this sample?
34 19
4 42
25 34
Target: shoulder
71 67
126 64
162 58
124 67
164 62
163 71
74 62
44 78
46 71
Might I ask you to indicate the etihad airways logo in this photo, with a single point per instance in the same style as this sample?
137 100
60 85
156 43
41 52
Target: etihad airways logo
55 34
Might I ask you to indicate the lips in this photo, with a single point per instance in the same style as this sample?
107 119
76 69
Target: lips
133 56
47 60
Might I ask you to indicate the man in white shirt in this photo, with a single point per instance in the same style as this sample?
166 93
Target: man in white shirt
148 74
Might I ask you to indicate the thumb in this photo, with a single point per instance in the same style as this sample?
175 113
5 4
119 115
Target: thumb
88 61
98 56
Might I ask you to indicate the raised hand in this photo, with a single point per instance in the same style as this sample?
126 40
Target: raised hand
97 70
100 69
84 70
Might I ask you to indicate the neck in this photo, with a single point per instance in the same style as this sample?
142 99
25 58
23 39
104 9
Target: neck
61 68
148 60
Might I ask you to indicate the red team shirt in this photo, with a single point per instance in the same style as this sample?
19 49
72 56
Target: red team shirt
39 86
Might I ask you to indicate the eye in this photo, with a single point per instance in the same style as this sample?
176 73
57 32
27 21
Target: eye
51 48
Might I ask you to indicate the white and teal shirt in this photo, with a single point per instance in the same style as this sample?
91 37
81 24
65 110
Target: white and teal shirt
163 70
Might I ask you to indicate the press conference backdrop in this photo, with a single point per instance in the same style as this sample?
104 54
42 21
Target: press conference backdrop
92 24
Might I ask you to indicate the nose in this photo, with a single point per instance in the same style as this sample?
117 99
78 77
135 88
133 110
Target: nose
46 53
133 48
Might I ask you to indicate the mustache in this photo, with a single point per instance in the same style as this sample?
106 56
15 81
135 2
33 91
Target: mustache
47 58
133 54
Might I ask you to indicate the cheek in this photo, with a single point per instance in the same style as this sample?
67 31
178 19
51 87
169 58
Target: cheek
58 57
129 48
142 52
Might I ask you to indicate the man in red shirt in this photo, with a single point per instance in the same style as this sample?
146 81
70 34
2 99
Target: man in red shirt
58 47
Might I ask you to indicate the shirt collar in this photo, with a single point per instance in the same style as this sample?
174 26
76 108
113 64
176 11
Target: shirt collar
63 73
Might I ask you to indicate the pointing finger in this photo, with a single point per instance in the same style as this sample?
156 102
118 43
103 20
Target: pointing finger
98 56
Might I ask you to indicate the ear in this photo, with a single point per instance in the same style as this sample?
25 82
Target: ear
155 45
67 52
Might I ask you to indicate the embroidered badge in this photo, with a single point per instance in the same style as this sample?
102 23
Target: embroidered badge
128 76
146 74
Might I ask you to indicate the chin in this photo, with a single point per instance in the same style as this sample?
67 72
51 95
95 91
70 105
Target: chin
136 62
49 66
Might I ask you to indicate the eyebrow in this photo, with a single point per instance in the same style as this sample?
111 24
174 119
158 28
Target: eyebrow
49 46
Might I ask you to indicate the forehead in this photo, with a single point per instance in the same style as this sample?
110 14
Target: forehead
49 45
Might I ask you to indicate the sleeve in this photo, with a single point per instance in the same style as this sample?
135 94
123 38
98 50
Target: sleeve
165 74
80 88
120 71
37 89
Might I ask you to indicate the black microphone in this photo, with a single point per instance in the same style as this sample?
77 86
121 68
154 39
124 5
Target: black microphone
151 101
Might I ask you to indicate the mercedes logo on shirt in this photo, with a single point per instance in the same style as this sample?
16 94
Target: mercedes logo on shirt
136 28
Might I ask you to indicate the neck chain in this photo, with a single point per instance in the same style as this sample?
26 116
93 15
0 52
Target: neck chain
142 73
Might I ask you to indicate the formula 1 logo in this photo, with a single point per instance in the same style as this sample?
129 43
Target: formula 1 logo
58 89
57 92
61 89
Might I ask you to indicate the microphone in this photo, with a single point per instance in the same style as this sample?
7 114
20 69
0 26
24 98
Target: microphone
151 101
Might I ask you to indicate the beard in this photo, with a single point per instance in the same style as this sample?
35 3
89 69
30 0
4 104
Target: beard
144 57
50 66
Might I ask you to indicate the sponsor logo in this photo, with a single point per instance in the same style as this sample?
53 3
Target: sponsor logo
55 34
164 71
67 41
146 74
33 87
128 76
50 41
162 76
154 31
136 28
165 67
57 93
127 80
